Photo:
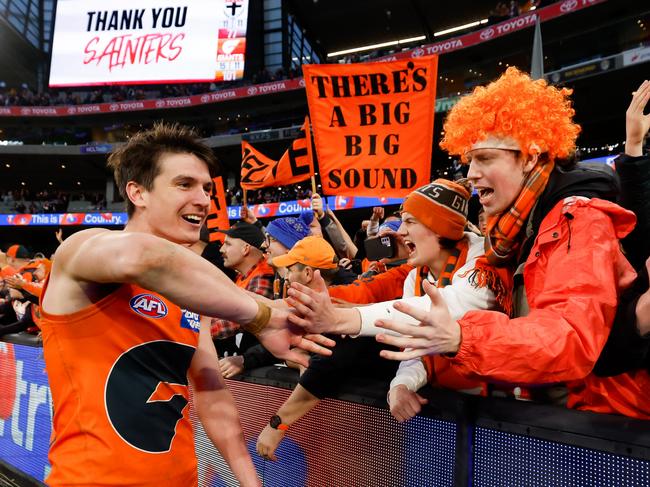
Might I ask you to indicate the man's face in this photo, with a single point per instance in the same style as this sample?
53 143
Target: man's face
420 240
275 248
482 222
497 176
233 252
179 200
299 274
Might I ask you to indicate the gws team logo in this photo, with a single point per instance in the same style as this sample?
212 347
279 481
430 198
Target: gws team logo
146 392
148 305
229 45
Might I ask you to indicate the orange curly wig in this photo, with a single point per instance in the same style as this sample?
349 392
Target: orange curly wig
537 116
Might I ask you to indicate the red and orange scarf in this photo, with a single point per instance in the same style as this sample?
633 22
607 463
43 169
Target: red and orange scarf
504 237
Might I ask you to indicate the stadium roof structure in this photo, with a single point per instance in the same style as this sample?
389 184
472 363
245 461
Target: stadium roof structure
338 25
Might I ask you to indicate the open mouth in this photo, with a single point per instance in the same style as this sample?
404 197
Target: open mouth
484 193
410 246
193 219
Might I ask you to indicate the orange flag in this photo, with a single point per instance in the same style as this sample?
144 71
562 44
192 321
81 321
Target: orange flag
373 125
296 165
218 216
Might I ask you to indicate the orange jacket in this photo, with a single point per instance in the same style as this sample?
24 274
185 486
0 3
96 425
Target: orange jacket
381 287
573 277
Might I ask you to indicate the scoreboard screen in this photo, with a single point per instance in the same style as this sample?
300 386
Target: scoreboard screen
147 42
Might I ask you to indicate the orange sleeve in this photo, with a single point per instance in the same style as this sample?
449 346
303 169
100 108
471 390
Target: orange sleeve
382 287
35 288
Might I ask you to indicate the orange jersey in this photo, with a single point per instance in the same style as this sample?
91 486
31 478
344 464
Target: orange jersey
118 376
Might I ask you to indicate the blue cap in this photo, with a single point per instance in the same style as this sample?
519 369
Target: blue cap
289 230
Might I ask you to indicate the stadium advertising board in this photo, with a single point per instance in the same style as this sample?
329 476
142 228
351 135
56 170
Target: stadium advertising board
143 41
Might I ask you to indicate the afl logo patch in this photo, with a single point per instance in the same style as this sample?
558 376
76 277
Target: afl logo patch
148 305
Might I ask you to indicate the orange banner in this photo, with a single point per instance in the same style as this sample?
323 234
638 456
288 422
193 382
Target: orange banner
373 125
218 216
296 165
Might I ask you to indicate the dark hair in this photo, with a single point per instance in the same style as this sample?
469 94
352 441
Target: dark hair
137 160
447 243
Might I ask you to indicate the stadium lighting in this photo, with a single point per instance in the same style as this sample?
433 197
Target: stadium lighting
376 46
460 27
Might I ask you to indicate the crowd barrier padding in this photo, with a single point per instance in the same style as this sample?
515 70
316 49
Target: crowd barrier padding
352 440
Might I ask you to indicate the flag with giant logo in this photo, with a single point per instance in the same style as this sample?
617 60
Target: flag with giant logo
296 165
218 216
373 125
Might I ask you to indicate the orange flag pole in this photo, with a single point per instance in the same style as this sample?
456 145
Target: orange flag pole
313 184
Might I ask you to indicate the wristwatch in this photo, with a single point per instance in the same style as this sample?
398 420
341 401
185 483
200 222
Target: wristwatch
276 423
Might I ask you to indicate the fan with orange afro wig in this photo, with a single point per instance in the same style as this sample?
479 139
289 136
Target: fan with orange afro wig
535 117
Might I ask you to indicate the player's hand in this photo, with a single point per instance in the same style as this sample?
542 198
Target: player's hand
280 336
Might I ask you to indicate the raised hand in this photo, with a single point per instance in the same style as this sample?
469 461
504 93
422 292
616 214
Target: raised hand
437 332
377 213
636 123
247 215
317 205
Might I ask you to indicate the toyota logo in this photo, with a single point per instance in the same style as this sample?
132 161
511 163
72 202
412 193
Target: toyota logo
569 5
487 33
205 99
114 107
252 90
160 104
301 83
71 110
418 52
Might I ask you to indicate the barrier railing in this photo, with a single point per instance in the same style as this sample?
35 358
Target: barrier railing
352 440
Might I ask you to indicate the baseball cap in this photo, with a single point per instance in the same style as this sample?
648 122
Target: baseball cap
17 252
312 251
249 233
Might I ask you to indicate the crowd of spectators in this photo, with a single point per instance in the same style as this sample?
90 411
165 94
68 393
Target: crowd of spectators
28 96
35 202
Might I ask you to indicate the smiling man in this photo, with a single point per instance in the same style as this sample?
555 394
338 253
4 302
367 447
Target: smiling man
123 335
